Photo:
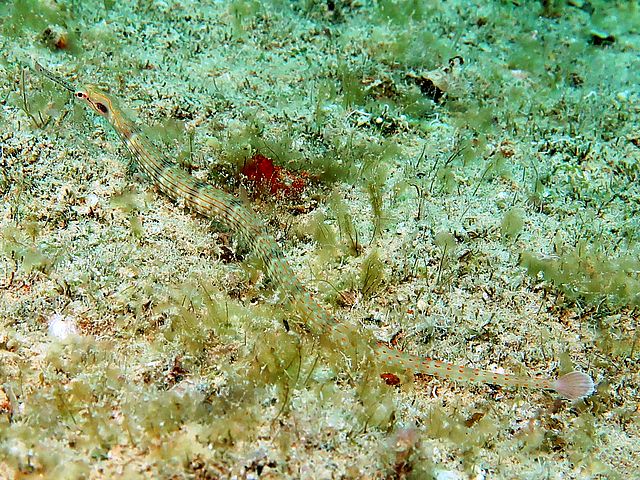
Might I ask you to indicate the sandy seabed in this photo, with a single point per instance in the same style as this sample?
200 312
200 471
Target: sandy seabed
469 192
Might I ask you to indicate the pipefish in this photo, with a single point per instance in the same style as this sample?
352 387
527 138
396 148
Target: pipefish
211 202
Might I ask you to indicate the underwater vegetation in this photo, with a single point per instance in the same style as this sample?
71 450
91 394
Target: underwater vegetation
458 179
588 272
267 178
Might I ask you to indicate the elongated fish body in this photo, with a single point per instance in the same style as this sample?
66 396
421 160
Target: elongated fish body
208 201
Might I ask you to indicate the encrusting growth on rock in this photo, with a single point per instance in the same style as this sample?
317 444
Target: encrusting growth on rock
177 184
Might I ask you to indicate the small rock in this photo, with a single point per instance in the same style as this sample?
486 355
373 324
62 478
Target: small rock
600 38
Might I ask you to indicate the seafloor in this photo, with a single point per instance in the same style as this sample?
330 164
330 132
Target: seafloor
461 178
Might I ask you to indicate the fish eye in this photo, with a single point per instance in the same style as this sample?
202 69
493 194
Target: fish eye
81 95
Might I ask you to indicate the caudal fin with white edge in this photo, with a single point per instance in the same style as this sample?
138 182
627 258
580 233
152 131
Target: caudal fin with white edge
574 385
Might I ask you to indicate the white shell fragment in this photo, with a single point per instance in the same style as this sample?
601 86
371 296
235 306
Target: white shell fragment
62 327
